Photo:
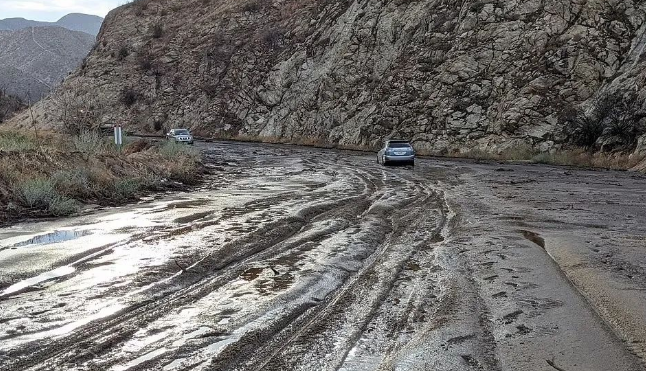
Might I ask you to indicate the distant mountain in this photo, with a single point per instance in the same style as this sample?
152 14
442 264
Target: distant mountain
90 24
81 22
34 60
12 24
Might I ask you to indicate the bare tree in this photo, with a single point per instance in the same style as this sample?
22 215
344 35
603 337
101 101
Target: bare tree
78 111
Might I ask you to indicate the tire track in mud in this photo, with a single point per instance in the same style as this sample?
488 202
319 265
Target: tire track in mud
305 334
231 354
352 267
98 337
392 213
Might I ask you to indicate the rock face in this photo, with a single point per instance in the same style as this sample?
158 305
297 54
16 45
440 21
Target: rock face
33 61
90 24
449 75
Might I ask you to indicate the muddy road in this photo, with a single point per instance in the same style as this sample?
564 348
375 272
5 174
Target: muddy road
302 259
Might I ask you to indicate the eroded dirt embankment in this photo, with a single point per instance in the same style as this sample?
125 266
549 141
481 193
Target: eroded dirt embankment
303 259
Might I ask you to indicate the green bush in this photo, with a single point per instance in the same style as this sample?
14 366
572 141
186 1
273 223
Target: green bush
73 183
10 141
127 188
36 193
89 142
618 116
41 194
177 151
62 206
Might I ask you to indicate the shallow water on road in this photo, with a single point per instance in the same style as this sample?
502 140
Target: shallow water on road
291 258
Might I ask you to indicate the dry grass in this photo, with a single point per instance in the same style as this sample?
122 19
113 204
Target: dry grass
581 158
53 175
577 157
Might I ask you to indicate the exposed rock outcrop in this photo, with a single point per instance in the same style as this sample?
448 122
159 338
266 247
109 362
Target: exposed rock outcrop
449 75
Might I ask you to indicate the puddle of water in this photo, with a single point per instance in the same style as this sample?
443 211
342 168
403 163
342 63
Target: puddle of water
217 347
139 342
137 361
199 332
192 217
177 204
358 359
63 330
105 312
413 266
275 284
188 204
43 277
175 364
251 274
224 321
53 237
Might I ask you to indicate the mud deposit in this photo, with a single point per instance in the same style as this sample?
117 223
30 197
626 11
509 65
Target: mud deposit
300 259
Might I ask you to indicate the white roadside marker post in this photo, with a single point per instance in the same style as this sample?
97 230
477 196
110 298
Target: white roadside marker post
118 136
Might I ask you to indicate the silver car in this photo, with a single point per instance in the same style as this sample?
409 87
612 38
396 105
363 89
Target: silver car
180 136
396 152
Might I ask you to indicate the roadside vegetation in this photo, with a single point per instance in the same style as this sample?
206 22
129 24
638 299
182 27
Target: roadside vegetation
56 175
578 157
573 156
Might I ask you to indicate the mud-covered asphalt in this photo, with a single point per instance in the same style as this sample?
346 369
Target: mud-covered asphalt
292 258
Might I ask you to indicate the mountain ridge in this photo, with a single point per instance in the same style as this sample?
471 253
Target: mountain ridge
90 24
33 61
451 77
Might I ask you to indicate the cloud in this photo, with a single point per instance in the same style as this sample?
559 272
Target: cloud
55 8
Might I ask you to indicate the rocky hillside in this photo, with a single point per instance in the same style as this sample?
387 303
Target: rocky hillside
33 61
450 75
90 24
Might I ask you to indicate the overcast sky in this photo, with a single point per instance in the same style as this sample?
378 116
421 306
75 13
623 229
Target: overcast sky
52 10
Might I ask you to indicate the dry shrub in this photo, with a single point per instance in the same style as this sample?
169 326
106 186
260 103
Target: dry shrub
73 183
253 6
611 116
140 6
157 30
123 53
89 142
583 158
56 177
129 96
12 141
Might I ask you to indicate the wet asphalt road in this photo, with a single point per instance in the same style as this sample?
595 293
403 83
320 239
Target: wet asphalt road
293 258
